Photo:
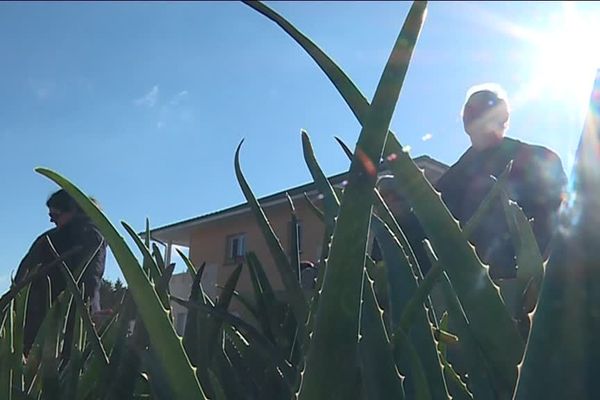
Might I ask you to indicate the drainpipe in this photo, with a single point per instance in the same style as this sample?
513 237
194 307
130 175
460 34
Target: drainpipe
168 253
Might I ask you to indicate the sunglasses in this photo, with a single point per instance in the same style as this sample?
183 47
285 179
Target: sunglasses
55 214
478 104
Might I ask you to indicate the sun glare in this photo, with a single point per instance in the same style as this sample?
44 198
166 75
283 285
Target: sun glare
565 56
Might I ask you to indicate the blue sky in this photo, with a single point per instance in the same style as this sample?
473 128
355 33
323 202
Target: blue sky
143 104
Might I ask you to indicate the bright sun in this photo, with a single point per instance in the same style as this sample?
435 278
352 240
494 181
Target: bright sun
565 56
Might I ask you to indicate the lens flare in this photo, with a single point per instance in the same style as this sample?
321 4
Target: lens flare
564 58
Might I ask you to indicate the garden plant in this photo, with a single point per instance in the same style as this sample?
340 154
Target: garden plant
369 330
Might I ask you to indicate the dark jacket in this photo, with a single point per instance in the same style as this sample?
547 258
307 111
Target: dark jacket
79 232
536 182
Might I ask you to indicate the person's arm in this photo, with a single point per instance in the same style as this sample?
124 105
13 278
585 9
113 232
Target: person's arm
31 259
548 184
450 186
95 251
552 180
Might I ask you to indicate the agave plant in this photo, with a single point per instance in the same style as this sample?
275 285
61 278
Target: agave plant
369 330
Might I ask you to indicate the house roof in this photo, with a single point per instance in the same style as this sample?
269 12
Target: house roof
179 233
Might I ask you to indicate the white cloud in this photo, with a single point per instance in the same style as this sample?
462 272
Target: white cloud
42 88
149 99
426 137
175 100
172 109
165 108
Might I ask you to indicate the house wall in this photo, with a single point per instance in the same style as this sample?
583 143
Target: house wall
180 285
209 242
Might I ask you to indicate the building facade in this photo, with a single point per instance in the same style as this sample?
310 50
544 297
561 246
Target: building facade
221 239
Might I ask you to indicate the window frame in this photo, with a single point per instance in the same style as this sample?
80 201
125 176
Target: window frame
231 258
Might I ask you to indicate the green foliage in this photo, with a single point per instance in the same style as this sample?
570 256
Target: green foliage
368 331
111 294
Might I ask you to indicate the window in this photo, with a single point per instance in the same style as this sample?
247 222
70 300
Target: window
236 247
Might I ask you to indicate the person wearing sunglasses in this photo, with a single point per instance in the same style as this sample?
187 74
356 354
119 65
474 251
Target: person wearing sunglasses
536 181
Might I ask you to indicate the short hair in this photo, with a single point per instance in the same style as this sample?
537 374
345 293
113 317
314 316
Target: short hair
489 87
62 201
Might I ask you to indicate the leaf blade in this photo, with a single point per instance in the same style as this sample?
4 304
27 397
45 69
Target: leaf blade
282 263
162 335
331 361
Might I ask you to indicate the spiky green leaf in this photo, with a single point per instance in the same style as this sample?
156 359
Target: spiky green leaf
162 335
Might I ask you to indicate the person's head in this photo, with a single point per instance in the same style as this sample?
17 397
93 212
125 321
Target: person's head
62 208
485 115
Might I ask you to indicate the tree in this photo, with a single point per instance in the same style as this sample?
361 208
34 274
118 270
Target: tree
111 294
